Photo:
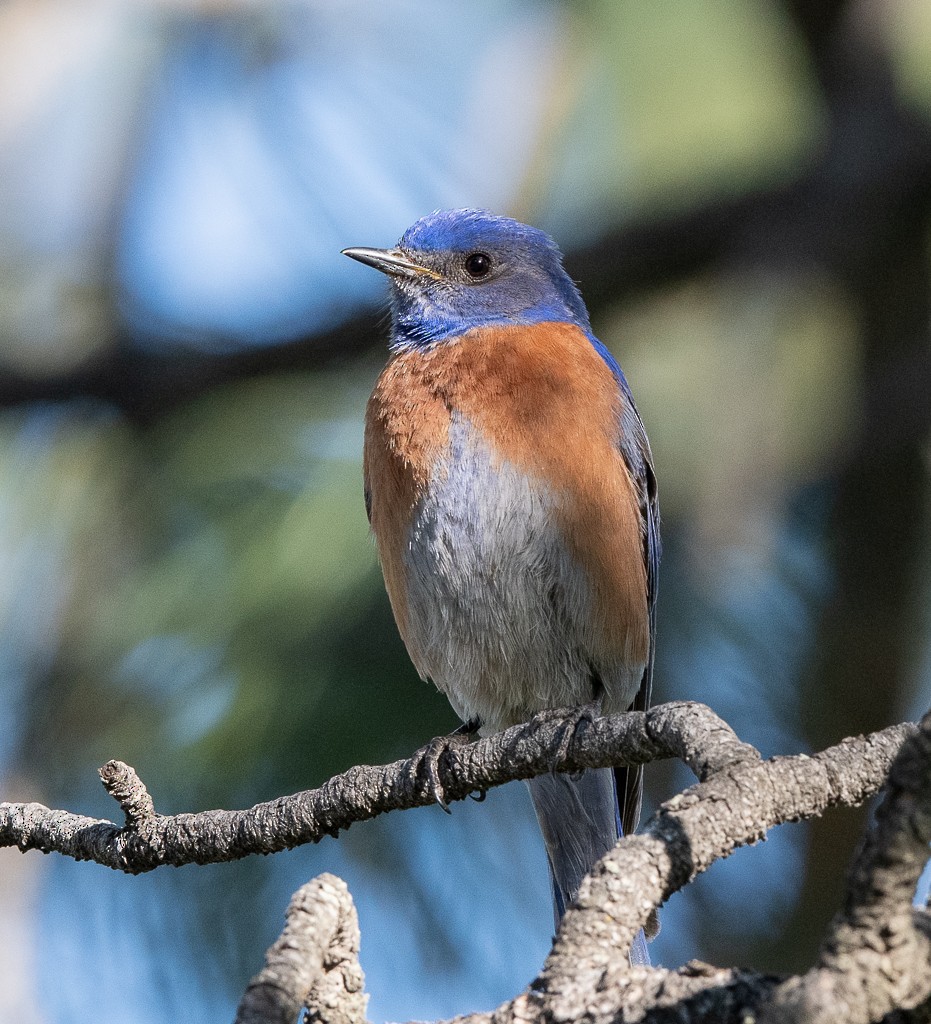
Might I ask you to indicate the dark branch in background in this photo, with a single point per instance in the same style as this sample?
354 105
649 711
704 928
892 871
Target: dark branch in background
877 245
876 958
688 731
874 162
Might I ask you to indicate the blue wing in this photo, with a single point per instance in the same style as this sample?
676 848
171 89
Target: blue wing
635 448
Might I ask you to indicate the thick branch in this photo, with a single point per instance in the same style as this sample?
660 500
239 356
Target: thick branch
314 963
686 730
736 806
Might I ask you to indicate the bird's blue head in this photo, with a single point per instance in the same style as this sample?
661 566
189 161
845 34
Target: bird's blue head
455 270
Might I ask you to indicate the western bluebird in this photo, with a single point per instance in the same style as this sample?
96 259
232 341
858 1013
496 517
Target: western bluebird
510 488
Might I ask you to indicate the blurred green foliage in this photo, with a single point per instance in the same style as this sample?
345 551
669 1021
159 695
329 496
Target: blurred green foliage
714 96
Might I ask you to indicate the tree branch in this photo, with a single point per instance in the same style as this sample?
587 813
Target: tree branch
588 977
685 730
877 954
736 806
129 791
314 963
587 973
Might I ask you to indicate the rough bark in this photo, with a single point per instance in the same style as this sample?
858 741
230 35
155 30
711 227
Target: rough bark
689 731
314 963
875 959
875 962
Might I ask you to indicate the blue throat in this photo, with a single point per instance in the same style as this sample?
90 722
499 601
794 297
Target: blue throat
411 329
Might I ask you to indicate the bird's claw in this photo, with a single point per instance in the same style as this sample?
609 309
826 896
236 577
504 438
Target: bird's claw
569 720
428 760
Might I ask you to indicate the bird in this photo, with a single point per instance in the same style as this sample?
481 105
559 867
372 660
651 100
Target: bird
510 489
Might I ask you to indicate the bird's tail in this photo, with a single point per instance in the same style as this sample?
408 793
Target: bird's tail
578 816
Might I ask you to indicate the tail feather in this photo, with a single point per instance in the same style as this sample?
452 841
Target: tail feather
578 816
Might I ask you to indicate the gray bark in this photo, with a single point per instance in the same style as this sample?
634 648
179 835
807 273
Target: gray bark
875 960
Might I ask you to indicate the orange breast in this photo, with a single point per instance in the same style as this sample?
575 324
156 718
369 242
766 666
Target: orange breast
545 402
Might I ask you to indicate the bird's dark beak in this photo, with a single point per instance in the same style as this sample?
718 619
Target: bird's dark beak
390 261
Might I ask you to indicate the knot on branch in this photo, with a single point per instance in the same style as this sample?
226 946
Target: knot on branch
129 791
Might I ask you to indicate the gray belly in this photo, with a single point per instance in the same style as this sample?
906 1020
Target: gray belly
499 613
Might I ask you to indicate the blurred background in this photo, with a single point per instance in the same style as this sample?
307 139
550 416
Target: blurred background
742 189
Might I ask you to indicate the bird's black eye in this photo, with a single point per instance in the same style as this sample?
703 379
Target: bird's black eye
478 264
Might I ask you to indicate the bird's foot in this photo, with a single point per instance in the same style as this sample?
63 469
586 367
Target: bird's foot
569 720
427 759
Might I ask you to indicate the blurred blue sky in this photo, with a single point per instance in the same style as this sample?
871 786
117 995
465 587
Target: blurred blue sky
265 147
